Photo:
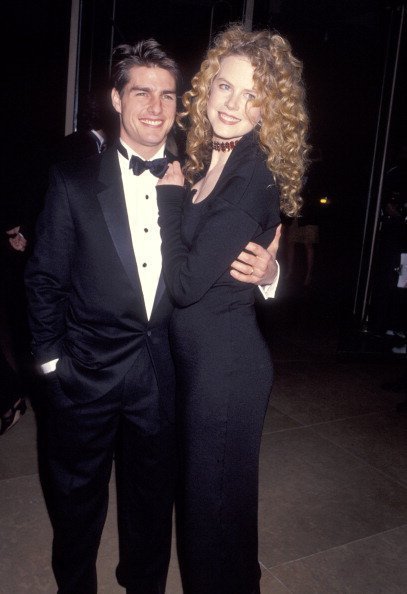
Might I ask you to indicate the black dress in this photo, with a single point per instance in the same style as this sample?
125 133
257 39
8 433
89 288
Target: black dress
223 366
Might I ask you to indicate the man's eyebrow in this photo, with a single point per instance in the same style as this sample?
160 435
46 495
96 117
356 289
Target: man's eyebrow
149 89
137 88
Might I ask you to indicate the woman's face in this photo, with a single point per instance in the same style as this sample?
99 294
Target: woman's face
232 91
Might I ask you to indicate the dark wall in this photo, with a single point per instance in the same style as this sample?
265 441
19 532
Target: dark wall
35 64
342 45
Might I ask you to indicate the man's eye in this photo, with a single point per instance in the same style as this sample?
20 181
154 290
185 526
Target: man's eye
141 94
169 97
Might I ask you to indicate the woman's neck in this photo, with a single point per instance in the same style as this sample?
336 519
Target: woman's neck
221 151
218 159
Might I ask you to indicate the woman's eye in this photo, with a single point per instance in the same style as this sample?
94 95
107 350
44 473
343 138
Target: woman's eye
224 87
250 96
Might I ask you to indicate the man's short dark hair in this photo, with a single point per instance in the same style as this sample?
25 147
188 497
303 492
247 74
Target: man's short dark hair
147 53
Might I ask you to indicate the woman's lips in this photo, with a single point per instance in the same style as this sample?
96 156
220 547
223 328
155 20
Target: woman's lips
228 119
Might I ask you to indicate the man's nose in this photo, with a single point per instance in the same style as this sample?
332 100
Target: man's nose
154 105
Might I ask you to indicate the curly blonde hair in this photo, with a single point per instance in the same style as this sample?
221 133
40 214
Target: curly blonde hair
278 80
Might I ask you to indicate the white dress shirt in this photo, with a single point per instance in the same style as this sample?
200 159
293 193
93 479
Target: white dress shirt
142 211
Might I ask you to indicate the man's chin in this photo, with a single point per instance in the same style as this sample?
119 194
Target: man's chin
154 141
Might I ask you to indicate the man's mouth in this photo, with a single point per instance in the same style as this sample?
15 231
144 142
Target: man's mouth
154 123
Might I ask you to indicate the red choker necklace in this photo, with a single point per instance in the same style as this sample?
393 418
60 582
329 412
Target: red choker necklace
223 146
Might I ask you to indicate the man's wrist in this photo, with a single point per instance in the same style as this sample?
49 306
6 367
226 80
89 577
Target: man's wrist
269 291
49 366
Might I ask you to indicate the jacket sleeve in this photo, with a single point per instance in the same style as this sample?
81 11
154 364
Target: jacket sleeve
48 271
226 230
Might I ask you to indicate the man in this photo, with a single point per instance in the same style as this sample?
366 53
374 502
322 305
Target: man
91 137
99 315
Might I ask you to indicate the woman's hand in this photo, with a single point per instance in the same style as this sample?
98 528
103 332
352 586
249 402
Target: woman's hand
173 176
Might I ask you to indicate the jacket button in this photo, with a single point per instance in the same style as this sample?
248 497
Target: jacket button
148 332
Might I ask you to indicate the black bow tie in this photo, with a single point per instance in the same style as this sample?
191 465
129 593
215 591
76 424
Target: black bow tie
157 167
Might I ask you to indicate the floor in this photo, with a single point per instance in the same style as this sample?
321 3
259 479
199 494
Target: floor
333 482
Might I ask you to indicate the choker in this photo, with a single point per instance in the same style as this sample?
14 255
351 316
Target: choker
223 146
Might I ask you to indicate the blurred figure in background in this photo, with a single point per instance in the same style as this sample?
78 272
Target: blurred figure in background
95 129
304 230
388 307
13 330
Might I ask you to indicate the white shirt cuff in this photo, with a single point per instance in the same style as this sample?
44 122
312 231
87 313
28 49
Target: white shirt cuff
49 366
269 291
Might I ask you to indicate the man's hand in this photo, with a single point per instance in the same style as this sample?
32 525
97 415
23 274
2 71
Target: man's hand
17 241
256 265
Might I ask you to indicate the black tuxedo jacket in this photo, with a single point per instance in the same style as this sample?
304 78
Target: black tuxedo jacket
85 299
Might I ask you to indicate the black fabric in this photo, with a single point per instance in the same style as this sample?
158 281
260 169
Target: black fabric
158 167
86 304
224 369
81 440
114 385
78 145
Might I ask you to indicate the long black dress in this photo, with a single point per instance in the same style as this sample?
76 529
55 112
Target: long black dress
223 365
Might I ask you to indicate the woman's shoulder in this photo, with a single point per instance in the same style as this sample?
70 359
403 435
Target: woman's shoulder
247 167
248 159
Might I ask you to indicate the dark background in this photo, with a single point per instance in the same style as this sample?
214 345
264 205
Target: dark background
346 47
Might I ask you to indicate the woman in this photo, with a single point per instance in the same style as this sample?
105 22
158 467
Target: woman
246 147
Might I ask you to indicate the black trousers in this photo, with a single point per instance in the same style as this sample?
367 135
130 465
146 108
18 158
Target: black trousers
81 442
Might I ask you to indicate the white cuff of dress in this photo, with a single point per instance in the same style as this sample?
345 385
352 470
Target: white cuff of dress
269 291
49 366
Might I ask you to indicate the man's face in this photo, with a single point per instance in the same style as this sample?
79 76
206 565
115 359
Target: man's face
147 109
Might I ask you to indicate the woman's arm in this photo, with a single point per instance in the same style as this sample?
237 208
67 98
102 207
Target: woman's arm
257 265
226 230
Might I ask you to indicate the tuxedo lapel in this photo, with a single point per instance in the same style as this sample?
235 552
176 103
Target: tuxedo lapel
159 292
170 156
113 204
